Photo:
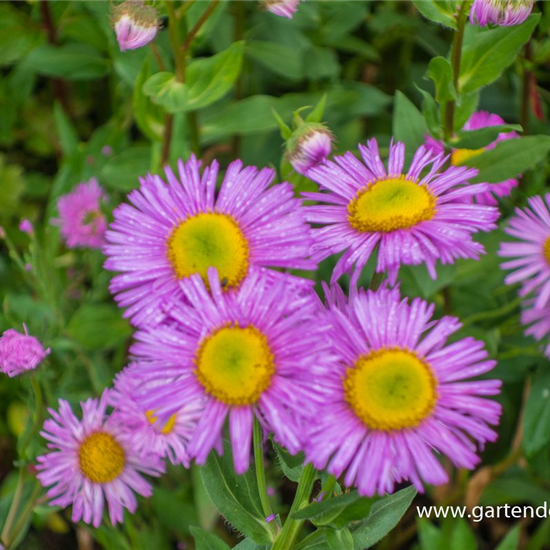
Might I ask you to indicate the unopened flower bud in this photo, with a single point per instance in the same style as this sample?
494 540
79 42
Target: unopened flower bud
26 227
283 8
309 146
500 12
135 24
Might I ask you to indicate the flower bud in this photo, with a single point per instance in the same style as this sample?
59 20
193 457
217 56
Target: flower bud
500 12
20 352
26 227
135 24
309 146
283 8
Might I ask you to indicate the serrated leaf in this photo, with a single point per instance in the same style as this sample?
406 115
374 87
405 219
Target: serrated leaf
487 52
207 541
443 12
236 496
476 139
441 72
385 515
509 158
536 422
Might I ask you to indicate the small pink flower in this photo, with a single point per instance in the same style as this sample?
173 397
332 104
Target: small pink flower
135 24
80 218
26 226
20 352
500 12
283 8
2 236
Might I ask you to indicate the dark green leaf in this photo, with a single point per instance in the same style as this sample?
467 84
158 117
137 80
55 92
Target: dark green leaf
463 537
173 511
207 541
430 112
317 509
236 496
430 536
409 125
122 172
511 540
536 423
476 139
68 136
443 12
385 515
487 52
509 158
278 58
441 72
338 540
291 466
148 116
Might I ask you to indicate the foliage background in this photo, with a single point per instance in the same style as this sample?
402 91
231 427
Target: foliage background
72 106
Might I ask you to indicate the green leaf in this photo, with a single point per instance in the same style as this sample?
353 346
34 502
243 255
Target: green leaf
207 81
18 36
476 139
466 106
68 136
236 496
487 52
338 540
409 125
509 158
385 515
321 63
316 114
277 58
123 171
98 326
249 544
511 540
172 511
72 61
443 12
207 541
430 112
291 466
148 116
431 538
463 537
536 422
441 72
316 509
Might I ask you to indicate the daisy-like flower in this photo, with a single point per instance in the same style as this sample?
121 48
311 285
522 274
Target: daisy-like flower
500 12
282 8
93 460
251 353
398 394
146 432
174 230
419 217
20 352
135 24
537 321
531 255
80 218
479 120
309 146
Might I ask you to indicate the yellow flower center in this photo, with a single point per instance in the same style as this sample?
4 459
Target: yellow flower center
460 156
167 428
101 457
391 389
235 364
391 204
208 240
546 250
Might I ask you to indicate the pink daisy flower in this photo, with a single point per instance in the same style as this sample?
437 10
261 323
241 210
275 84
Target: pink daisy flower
500 12
417 217
531 255
145 431
20 352
80 218
399 394
479 120
251 353
136 24
174 230
93 460
537 321
282 8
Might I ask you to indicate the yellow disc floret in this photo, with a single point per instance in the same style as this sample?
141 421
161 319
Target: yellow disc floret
391 389
546 250
101 457
209 239
167 428
460 156
235 364
391 204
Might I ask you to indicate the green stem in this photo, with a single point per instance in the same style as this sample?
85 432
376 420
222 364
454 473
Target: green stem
174 37
291 529
14 506
456 57
260 473
24 516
